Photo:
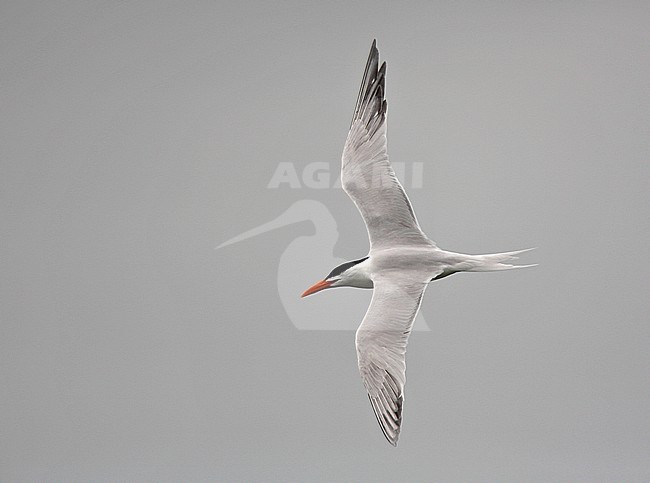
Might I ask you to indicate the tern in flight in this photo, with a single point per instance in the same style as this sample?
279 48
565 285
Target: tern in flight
402 260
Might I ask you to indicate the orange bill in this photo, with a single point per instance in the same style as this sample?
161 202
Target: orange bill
317 287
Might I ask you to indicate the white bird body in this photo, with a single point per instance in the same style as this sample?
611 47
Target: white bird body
402 260
422 263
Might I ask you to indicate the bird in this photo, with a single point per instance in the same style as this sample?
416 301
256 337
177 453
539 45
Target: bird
401 262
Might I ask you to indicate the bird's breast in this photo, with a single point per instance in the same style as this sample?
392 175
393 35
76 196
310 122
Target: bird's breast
416 260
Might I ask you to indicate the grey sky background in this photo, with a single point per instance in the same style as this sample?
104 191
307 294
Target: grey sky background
137 136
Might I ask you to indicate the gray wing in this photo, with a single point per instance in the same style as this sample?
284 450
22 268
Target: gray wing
381 348
366 174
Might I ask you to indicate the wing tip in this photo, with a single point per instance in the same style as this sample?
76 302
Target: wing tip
391 435
371 106
373 76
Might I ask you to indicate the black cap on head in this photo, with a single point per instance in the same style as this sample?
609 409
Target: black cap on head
342 268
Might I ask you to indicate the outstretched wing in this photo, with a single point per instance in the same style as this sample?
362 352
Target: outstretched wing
381 347
366 174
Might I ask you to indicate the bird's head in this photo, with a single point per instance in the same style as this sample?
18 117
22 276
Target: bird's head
348 274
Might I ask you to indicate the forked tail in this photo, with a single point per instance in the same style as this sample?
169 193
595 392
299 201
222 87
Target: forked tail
495 261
